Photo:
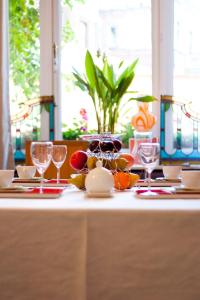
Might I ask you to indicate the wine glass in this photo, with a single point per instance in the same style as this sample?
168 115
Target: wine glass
41 154
149 156
58 157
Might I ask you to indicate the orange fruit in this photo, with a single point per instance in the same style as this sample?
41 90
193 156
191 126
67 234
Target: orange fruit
121 180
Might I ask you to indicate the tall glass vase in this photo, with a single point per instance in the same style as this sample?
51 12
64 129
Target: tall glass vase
139 137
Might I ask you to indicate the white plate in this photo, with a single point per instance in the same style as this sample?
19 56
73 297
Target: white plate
34 179
99 195
12 189
171 179
183 187
159 182
35 183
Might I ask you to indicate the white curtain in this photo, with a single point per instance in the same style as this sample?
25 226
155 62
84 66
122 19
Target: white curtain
6 153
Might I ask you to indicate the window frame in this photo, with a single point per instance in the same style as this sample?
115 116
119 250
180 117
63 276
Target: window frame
162 53
50 62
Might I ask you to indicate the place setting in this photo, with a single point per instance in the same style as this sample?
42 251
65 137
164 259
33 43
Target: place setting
27 185
55 153
171 177
175 184
6 185
187 187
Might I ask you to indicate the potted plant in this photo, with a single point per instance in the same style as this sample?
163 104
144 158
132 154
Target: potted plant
107 88
78 128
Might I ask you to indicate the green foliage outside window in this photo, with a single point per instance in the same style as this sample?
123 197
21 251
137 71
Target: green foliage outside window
24 46
24 32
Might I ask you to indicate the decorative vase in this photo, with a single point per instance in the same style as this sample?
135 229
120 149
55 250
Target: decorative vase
144 120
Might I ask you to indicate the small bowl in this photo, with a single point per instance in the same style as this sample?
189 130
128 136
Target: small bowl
172 172
26 172
190 179
6 177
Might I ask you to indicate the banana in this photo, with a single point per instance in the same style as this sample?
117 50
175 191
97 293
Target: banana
119 164
78 181
91 162
133 179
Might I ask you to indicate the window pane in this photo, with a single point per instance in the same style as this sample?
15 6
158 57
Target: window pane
187 49
183 118
121 30
24 68
187 68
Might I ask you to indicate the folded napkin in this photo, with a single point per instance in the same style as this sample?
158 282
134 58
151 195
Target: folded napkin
156 191
45 190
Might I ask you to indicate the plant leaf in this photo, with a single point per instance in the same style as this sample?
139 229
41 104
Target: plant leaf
90 69
166 106
108 73
120 64
129 70
80 82
123 86
91 72
104 79
146 98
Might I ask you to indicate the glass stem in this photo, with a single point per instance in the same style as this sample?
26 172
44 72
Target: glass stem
41 183
149 179
58 175
145 175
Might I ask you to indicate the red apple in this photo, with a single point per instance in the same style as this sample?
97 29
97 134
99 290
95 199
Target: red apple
129 157
78 160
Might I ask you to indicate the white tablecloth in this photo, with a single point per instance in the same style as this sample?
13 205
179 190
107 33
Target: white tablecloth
122 248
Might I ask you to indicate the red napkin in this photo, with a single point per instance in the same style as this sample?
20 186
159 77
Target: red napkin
157 191
46 190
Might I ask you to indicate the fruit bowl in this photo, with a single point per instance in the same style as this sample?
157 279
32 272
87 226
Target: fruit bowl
90 137
106 149
104 146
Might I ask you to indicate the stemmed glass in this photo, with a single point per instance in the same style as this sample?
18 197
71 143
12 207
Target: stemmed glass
149 156
41 154
58 157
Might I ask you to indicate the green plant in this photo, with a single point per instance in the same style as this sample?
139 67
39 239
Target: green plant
24 46
78 128
107 89
74 133
71 134
126 133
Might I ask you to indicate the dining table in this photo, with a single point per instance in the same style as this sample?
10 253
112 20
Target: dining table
86 248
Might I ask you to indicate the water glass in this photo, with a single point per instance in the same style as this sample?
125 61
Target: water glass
149 154
58 157
41 154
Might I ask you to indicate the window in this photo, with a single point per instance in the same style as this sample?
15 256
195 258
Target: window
182 134
24 71
163 34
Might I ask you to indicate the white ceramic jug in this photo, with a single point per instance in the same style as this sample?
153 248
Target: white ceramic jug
99 181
